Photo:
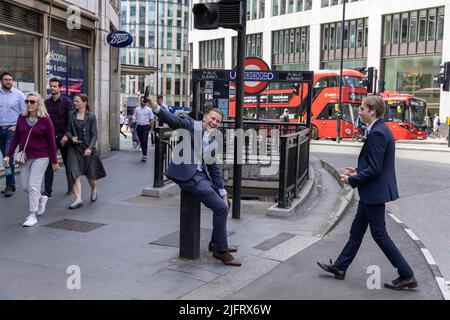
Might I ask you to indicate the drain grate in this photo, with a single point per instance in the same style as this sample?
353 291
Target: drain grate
275 241
173 239
75 225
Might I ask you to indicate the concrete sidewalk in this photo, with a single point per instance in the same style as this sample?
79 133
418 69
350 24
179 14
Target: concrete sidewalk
126 247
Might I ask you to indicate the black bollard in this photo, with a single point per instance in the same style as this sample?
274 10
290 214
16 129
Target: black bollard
189 226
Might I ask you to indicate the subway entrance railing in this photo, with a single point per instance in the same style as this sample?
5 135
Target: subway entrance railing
279 152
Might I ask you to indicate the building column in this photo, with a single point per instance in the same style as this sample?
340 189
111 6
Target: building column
314 47
228 52
195 55
267 47
444 105
375 42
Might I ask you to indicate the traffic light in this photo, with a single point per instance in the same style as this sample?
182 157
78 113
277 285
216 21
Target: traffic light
444 76
296 89
225 13
370 74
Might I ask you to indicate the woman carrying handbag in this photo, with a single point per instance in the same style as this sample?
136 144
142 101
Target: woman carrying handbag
82 158
35 137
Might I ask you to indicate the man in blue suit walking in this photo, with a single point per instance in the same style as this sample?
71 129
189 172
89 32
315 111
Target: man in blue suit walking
377 184
200 175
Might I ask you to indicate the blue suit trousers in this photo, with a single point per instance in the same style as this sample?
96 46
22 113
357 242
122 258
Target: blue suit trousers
373 216
202 189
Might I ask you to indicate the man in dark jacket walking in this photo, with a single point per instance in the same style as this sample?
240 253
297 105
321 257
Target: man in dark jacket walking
58 107
376 182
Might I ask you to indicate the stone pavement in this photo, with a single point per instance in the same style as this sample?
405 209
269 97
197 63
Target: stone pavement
125 246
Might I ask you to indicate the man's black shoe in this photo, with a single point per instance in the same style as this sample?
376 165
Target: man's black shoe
399 284
338 274
9 191
12 188
69 192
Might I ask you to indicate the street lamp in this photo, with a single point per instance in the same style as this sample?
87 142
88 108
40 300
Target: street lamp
338 136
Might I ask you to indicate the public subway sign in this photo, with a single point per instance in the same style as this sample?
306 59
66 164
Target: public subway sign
119 39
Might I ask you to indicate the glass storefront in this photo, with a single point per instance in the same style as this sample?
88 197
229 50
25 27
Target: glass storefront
68 63
414 75
19 56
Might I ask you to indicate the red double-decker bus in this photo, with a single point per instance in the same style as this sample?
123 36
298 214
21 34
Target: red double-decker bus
405 116
325 97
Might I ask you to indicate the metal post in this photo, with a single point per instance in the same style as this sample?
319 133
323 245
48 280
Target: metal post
189 226
239 121
158 179
196 96
338 137
258 105
375 81
157 49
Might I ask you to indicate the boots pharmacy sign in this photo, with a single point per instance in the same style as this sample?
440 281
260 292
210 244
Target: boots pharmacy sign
119 39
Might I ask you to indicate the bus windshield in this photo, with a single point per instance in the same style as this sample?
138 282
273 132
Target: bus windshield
395 111
418 113
354 82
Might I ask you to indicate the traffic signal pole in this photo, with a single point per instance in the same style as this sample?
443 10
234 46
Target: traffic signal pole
338 136
239 121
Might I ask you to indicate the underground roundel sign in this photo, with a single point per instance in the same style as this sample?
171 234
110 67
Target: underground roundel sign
255 64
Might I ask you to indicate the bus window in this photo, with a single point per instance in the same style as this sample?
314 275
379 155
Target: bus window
354 82
418 113
328 113
326 82
395 111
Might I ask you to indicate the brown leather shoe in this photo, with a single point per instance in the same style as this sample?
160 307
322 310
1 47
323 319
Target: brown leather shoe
226 258
231 248
399 284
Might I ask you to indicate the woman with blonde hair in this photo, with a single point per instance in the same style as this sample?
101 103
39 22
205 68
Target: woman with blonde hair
35 137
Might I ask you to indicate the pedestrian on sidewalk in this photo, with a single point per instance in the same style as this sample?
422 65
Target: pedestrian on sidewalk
144 117
133 127
36 139
161 104
202 178
82 157
12 104
58 107
436 125
121 124
377 184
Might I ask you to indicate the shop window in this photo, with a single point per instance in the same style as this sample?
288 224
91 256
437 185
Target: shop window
19 56
68 63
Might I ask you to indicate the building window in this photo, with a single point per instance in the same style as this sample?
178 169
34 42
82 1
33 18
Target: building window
253 48
290 47
19 55
70 64
414 27
211 54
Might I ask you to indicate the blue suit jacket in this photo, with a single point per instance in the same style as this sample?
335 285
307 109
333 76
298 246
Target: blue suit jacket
375 179
183 172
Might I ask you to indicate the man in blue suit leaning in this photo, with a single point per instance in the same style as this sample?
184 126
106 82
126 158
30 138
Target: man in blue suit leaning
377 184
200 175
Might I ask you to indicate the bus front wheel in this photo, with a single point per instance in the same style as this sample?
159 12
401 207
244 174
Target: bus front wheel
314 133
